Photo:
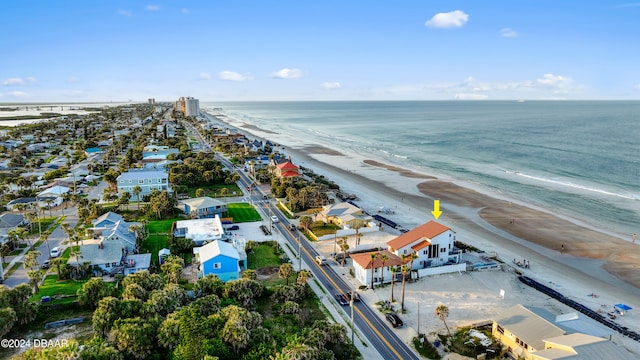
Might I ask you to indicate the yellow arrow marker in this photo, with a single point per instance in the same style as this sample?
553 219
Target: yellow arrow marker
436 209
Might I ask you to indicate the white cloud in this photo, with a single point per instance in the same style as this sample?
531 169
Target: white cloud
125 12
14 94
204 76
508 32
470 96
447 20
287 73
331 85
233 76
184 11
152 8
637 87
19 81
72 80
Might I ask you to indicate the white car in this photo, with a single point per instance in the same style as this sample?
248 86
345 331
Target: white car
55 252
274 219
321 260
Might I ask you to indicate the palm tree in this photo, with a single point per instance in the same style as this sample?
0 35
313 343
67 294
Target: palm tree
413 256
384 259
285 271
305 221
404 268
303 276
442 312
344 246
394 270
373 267
136 191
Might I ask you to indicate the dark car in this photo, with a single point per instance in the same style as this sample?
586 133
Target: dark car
342 300
233 227
394 320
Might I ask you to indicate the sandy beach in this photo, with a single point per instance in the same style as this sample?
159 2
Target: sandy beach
593 262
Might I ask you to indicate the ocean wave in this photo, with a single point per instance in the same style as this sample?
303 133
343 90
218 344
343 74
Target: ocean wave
573 185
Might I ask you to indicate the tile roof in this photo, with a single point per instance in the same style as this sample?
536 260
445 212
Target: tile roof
424 231
364 259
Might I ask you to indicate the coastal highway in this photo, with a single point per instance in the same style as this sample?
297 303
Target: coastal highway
378 333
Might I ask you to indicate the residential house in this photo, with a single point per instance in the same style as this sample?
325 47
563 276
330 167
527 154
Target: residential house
219 258
10 221
110 257
363 265
136 263
54 191
530 333
147 180
112 227
432 243
199 231
34 202
285 168
203 207
345 214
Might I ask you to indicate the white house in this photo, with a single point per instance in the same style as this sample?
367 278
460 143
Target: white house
432 243
147 180
363 265
199 230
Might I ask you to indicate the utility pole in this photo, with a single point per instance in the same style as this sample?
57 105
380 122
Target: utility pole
299 254
353 329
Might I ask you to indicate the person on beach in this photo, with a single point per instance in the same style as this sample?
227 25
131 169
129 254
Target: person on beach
562 249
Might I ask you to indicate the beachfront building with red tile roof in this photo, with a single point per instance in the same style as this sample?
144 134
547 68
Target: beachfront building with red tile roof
432 243
363 265
285 169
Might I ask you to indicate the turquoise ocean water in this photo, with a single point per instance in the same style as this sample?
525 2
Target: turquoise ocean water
577 158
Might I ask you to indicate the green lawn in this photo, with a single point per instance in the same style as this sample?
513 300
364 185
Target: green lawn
320 228
263 255
159 234
242 212
51 287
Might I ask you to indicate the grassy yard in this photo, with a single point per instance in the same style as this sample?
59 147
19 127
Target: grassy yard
263 255
159 234
242 212
320 228
51 287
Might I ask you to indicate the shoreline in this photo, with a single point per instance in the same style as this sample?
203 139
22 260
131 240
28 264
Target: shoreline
603 262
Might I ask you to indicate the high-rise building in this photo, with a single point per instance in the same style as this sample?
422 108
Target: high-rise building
188 106
192 107
152 101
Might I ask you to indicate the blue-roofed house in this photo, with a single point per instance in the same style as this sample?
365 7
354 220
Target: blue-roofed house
219 258
148 180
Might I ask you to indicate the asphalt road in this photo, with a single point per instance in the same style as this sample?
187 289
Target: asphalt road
378 333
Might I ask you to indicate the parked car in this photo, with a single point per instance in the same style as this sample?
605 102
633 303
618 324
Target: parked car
394 320
233 227
342 300
46 264
321 260
55 252
274 219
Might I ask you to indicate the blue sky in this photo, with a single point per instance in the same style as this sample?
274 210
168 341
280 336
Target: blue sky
228 50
